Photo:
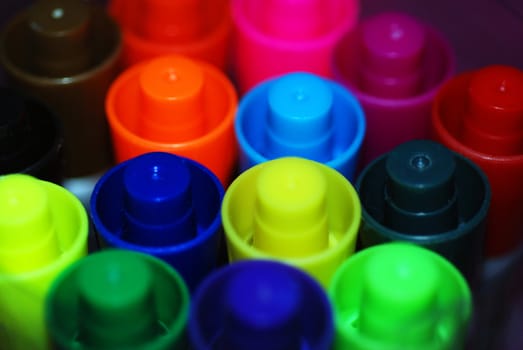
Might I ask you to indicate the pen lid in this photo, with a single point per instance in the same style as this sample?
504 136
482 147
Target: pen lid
260 305
399 295
118 299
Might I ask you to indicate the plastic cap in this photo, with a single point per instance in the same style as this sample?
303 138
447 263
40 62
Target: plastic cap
172 99
118 299
494 122
60 37
27 237
291 19
263 307
399 295
393 47
300 119
400 290
260 305
116 295
158 201
291 216
170 22
420 188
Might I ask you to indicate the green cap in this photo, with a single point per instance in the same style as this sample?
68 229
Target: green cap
399 296
118 299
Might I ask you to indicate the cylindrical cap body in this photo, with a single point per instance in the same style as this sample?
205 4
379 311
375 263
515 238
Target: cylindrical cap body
118 299
394 64
64 53
273 37
399 296
199 29
479 114
260 305
294 210
422 192
303 115
163 205
43 229
177 105
31 138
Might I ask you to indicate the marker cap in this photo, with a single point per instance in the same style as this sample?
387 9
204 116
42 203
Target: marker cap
199 29
293 209
43 230
303 115
424 193
261 305
121 298
479 114
64 54
31 139
399 294
177 105
394 64
163 205
277 37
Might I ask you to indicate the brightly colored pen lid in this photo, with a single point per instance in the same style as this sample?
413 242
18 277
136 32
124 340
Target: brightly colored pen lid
118 299
199 29
163 205
273 37
31 138
394 64
480 114
295 210
259 305
177 105
43 229
399 296
303 115
424 193
64 53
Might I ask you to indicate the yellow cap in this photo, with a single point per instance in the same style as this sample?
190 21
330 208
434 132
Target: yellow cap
295 210
27 237
290 218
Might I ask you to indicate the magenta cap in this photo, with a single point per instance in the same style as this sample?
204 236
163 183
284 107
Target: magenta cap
394 64
273 37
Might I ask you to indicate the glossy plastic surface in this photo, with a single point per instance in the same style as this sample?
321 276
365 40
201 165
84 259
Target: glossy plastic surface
118 299
273 37
480 114
199 29
302 115
394 64
260 305
163 205
43 229
294 210
177 105
423 193
398 295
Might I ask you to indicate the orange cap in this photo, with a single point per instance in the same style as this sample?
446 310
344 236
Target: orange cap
177 105
199 29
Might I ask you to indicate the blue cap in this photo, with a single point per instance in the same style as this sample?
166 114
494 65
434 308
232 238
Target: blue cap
300 114
163 205
260 304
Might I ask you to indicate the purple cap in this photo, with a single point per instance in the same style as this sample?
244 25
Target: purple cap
260 305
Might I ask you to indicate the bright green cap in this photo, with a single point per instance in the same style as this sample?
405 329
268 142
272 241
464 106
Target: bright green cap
399 295
28 240
118 299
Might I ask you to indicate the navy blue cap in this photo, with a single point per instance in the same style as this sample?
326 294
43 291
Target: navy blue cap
258 305
163 205
31 139
304 115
